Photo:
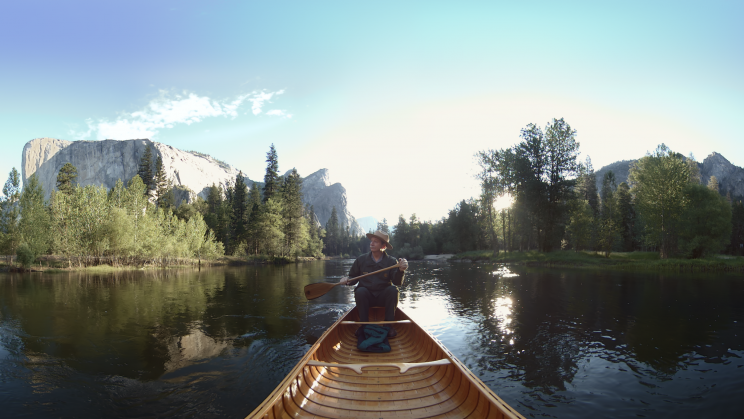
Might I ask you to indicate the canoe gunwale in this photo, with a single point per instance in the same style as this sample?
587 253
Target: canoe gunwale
289 392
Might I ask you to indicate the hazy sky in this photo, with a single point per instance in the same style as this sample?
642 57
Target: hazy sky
394 98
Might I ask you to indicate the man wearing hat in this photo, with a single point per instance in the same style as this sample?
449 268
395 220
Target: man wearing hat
377 290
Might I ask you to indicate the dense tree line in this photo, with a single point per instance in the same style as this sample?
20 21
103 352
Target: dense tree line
90 225
271 221
556 205
140 222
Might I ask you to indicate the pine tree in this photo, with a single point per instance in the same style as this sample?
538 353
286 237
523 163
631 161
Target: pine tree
271 178
625 215
383 226
161 185
713 184
66 178
333 233
145 170
240 210
254 203
294 225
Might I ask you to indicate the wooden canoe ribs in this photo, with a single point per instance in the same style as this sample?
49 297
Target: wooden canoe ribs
418 378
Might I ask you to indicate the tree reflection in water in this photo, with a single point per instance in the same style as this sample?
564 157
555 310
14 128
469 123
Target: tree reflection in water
214 343
545 338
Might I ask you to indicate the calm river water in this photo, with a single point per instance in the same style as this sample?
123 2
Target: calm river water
215 343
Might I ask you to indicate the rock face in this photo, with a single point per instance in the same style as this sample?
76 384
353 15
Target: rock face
318 191
730 177
105 162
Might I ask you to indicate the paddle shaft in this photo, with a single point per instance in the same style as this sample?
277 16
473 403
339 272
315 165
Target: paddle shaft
375 272
313 291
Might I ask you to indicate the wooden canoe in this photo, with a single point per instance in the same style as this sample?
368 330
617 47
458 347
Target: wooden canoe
418 378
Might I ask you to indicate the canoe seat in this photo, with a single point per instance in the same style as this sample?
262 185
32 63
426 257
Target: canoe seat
403 366
380 322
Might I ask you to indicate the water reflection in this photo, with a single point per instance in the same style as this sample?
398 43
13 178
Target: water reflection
215 343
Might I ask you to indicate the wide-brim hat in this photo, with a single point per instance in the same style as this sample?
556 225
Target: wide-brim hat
382 236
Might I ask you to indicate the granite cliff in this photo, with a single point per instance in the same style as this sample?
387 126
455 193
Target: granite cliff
730 177
192 173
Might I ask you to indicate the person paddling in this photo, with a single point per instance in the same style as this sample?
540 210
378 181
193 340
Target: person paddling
380 289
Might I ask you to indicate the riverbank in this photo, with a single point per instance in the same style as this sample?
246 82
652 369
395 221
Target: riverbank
52 264
620 261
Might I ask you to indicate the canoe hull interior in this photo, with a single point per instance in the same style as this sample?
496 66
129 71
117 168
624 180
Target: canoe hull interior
448 390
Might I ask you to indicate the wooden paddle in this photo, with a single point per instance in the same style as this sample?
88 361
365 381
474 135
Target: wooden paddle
313 291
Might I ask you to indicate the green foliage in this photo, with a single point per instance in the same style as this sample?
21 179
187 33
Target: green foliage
333 234
34 224
626 217
658 182
383 226
581 225
295 225
26 256
706 220
240 214
66 178
10 234
408 252
123 225
269 228
539 174
162 186
271 178
145 169
736 246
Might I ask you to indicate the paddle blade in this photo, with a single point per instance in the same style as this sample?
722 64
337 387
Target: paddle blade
313 291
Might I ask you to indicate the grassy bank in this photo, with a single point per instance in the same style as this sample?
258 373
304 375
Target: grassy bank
621 261
51 264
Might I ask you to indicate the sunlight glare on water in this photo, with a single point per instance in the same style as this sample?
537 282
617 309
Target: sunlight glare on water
504 272
502 312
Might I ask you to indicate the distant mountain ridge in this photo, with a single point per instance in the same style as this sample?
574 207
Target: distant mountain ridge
105 162
730 177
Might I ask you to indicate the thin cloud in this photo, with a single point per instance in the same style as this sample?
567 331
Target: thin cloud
169 110
279 112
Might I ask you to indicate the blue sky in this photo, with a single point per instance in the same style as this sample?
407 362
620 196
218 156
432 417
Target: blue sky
394 98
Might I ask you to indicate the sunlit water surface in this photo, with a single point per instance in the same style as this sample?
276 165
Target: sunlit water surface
215 343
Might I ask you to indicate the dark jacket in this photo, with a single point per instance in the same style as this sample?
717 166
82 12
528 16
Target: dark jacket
366 263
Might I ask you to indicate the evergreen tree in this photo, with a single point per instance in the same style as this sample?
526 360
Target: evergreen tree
608 226
254 202
581 224
145 170
269 228
10 235
736 246
383 226
217 217
271 178
706 220
295 227
333 234
626 216
240 210
66 178
587 185
35 224
314 245
161 186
